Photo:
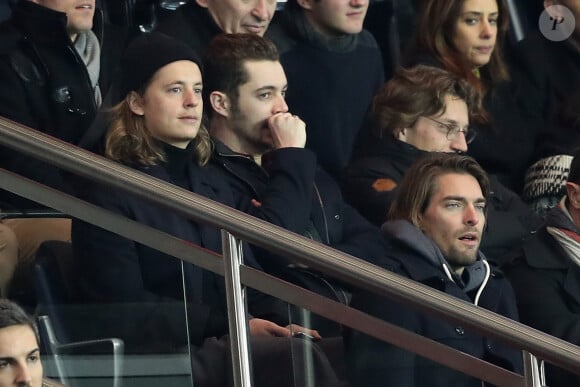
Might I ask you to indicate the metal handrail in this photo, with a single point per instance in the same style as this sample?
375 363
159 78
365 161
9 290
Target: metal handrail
303 250
259 280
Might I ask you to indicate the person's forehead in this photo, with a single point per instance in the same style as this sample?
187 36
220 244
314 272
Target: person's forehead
479 6
265 71
455 108
458 185
16 336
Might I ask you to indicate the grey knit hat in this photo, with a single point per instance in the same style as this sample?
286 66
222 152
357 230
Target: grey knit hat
547 178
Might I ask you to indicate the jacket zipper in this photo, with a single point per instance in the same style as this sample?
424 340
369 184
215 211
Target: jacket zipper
323 214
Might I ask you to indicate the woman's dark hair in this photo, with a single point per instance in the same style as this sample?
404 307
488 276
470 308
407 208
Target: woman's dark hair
435 31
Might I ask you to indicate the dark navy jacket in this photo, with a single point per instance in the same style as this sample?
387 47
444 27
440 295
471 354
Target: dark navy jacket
115 270
297 195
376 363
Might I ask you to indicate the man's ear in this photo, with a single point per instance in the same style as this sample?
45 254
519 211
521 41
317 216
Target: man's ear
419 222
306 4
573 193
136 103
220 103
202 3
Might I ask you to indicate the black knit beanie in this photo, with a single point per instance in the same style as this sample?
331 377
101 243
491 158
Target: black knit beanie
147 54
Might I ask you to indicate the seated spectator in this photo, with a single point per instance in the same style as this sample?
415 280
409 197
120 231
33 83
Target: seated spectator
259 150
434 230
57 59
157 129
426 109
334 67
465 37
545 275
20 363
198 21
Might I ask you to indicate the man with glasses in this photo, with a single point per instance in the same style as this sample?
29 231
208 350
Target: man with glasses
426 109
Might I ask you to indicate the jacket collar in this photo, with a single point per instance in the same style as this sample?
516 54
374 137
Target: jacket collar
242 166
422 258
221 149
543 252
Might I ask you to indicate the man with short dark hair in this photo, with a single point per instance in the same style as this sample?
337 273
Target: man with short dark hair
334 68
259 149
434 231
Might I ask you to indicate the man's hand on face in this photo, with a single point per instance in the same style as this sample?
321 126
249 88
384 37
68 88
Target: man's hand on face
286 131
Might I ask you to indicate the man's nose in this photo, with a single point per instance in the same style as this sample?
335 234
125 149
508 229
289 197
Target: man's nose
358 3
262 10
486 29
191 98
471 215
459 143
23 375
280 105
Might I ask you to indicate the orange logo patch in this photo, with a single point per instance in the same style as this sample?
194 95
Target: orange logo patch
383 185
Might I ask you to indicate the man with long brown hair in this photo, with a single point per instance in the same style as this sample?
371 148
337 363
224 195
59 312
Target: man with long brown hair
434 232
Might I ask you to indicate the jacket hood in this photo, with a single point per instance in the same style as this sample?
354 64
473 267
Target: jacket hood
411 238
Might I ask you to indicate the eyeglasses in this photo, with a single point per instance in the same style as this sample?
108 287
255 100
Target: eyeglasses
452 130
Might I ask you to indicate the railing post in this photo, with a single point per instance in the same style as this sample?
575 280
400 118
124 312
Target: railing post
534 375
236 299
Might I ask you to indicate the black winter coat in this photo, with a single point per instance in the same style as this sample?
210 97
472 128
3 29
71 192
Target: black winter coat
370 186
376 363
115 270
44 83
191 24
297 195
547 286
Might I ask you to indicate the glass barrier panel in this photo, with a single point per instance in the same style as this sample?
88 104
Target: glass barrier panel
110 311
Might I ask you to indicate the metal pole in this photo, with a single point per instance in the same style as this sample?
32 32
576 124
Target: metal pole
236 298
515 19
